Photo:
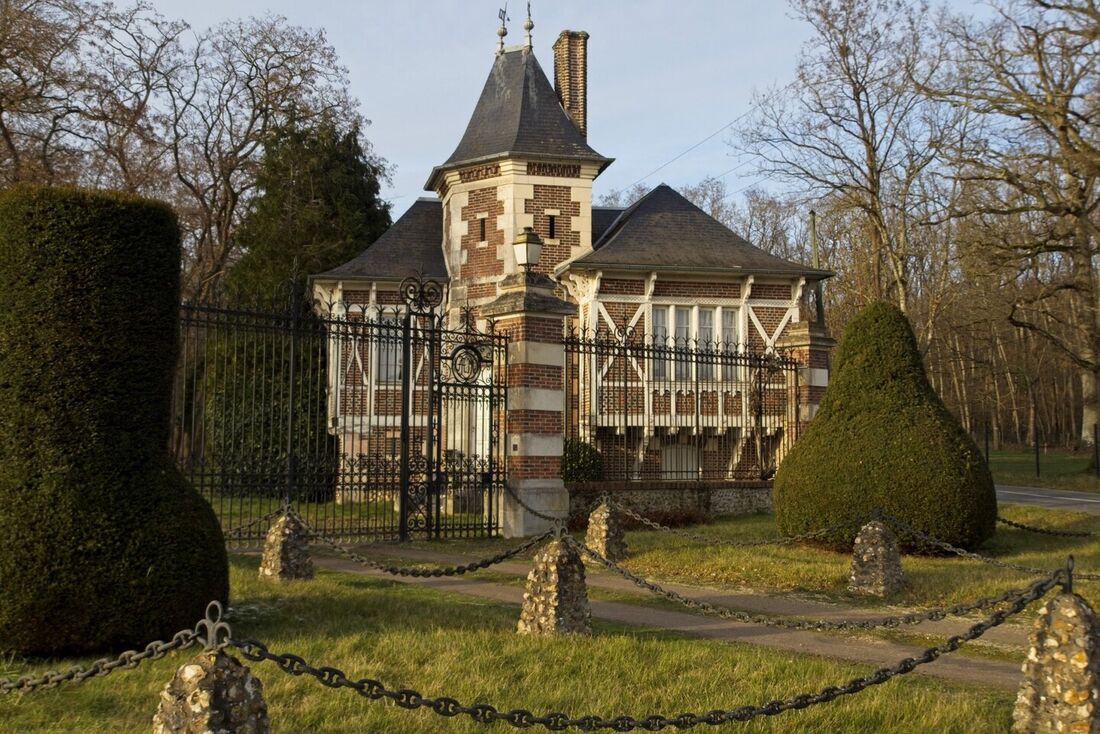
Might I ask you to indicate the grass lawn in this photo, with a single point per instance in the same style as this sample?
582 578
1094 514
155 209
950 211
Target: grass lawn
1058 469
819 574
444 644
930 581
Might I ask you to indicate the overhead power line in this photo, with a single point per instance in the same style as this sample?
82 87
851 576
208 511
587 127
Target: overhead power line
720 130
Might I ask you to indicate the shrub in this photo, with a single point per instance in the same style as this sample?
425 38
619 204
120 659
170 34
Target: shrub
581 462
883 439
104 544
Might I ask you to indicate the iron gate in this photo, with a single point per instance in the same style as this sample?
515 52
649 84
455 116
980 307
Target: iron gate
373 422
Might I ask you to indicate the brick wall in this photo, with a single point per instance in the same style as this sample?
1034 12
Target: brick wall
771 291
554 198
696 291
481 257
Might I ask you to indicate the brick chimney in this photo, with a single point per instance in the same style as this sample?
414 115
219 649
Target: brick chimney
571 76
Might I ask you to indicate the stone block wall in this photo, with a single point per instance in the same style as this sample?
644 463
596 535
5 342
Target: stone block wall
690 500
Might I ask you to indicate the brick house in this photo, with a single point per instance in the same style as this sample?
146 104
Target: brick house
658 296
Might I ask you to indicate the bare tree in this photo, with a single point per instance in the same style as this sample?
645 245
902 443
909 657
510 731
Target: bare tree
1031 173
855 131
238 81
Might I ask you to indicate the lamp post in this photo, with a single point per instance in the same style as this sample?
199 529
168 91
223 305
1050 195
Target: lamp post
528 248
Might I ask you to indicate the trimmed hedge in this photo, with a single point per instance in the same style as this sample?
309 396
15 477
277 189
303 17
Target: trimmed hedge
103 544
883 439
581 462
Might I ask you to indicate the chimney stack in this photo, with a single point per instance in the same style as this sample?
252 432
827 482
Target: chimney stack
571 76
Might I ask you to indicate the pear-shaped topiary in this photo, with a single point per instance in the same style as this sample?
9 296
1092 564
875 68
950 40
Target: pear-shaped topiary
883 439
103 544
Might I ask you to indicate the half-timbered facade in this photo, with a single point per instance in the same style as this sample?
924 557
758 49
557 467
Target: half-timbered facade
685 300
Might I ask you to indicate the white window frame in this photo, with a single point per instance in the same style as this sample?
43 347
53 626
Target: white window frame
384 344
667 369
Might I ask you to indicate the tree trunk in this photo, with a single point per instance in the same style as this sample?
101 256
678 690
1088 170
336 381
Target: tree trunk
1090 415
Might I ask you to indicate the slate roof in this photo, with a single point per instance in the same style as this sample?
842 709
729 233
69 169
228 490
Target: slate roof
602 218
517 115
413 244
665 231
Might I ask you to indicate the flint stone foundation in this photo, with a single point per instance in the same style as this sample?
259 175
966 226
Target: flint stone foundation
1061 687
605 533
212 694
555 601
286 552
876 562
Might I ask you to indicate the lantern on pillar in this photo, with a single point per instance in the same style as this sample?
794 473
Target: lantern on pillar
528 248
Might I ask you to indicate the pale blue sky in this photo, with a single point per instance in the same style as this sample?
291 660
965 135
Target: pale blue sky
662 75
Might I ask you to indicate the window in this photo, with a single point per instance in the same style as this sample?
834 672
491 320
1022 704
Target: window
660 340
689 339
552 228
730 336
683 342
706 343
389 352
481 225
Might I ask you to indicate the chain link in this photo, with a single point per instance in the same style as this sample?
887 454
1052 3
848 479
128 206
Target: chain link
712 541
904 527
557 721
424 572
714 610
1045 531
240 532
211 632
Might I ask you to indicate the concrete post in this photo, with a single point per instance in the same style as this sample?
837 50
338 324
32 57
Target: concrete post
556 598
605 533
286 551
876 562
1061 687
212 693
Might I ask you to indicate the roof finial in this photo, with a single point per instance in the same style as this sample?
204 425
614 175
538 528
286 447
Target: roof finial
528 25
503 30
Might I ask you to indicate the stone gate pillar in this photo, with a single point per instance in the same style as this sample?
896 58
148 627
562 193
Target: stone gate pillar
810 345
532 316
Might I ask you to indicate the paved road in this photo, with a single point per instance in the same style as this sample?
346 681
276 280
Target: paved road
1055 499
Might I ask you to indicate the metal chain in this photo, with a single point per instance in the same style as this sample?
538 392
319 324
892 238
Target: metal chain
425 572
1045 531
211 632
485 713
714 610
712 541
904 527
238 533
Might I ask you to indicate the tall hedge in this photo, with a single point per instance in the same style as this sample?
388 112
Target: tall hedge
883 439
103 545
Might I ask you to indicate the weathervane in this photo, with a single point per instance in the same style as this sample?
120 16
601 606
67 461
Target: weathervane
503 30
528 25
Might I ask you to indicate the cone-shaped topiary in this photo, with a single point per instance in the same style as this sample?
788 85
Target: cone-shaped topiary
103 544
883 439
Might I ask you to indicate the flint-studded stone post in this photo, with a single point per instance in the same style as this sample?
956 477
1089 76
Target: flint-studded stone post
529 312
1061 687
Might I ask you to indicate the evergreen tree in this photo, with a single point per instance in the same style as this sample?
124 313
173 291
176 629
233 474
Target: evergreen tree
318 206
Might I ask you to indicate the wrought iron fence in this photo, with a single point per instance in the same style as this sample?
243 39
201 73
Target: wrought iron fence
373 422
675 409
